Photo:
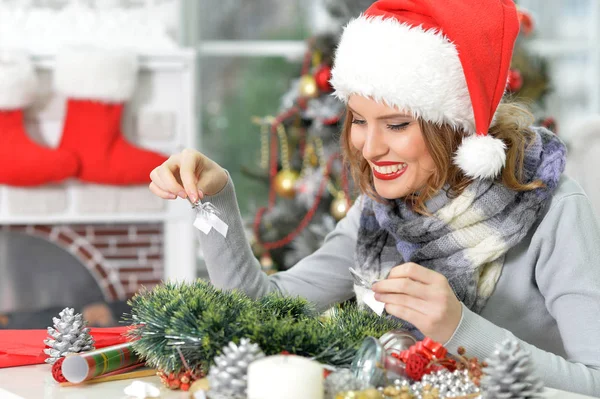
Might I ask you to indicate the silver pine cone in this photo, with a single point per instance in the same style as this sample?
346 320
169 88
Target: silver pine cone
228 376
510 374
69 335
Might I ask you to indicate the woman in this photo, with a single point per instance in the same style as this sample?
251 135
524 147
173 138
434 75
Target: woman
465 216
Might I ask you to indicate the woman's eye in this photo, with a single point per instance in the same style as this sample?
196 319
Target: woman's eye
400 126
358 121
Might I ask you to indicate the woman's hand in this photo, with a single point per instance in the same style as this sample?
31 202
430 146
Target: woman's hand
421 297
188 174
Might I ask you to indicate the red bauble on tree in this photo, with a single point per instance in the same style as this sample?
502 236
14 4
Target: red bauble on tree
525 21
322 76
515 80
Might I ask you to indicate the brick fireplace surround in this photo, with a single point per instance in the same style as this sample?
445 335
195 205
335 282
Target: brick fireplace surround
120 257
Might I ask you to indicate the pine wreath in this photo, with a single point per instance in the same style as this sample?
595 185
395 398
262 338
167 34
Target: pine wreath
200 320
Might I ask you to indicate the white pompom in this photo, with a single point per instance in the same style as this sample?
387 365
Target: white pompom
481 157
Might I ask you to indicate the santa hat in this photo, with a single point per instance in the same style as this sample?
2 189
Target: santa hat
443 61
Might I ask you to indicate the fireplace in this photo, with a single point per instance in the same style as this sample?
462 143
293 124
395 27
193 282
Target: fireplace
122 236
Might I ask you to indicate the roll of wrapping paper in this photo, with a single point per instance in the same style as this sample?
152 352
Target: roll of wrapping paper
85 366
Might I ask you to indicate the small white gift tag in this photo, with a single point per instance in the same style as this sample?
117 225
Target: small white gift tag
374 304
207 218
369 296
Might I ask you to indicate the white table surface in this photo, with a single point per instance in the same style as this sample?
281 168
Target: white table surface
36 382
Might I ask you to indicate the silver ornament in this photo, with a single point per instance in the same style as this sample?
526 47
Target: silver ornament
340 380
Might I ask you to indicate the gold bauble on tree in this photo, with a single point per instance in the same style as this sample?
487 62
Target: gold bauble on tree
308 86
311 154
284 183
339 206
266 263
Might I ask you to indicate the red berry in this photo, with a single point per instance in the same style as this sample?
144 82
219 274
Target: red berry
185 387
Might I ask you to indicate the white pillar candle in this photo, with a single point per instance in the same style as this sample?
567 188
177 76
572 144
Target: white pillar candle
285 376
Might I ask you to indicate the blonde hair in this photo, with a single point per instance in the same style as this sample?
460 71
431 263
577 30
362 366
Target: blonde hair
511 125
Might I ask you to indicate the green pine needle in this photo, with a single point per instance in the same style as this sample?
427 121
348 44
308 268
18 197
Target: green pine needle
200 320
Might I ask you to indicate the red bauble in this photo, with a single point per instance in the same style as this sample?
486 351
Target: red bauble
416 366
322 77
515 80
525 21
57 371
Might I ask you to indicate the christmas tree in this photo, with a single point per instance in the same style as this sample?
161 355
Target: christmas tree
300 157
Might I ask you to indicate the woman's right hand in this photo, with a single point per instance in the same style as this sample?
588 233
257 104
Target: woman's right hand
188 174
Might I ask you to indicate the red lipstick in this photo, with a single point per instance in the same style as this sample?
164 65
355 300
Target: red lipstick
385 163
388 176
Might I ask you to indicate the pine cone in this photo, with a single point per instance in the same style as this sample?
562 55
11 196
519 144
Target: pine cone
69 335
228 376
510 374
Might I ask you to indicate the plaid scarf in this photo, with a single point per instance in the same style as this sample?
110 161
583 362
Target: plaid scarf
467 237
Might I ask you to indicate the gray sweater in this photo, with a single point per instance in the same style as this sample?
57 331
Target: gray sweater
548 295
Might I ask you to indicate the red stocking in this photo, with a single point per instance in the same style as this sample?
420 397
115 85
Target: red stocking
23 162
97 84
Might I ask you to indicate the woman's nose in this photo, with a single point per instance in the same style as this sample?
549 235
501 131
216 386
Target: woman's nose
375 145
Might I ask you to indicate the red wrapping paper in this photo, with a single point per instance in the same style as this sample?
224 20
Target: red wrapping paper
25 347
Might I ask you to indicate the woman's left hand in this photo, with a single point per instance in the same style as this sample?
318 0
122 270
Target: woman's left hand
422 297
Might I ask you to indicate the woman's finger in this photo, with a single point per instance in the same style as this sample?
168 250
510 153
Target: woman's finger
402 286
166 175
414 272
408 301
160 192
406 313
189 173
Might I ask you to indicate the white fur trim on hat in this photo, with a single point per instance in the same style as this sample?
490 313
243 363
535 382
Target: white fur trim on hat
94 74
413 69
18 81
481 157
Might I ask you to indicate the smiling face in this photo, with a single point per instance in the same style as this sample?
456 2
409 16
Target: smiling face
393 145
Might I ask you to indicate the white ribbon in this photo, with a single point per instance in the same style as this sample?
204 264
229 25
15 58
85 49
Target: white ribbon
207 218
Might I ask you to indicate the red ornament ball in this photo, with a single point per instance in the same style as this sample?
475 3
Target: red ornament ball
515 80
57 371
322 76
525 21
416 366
